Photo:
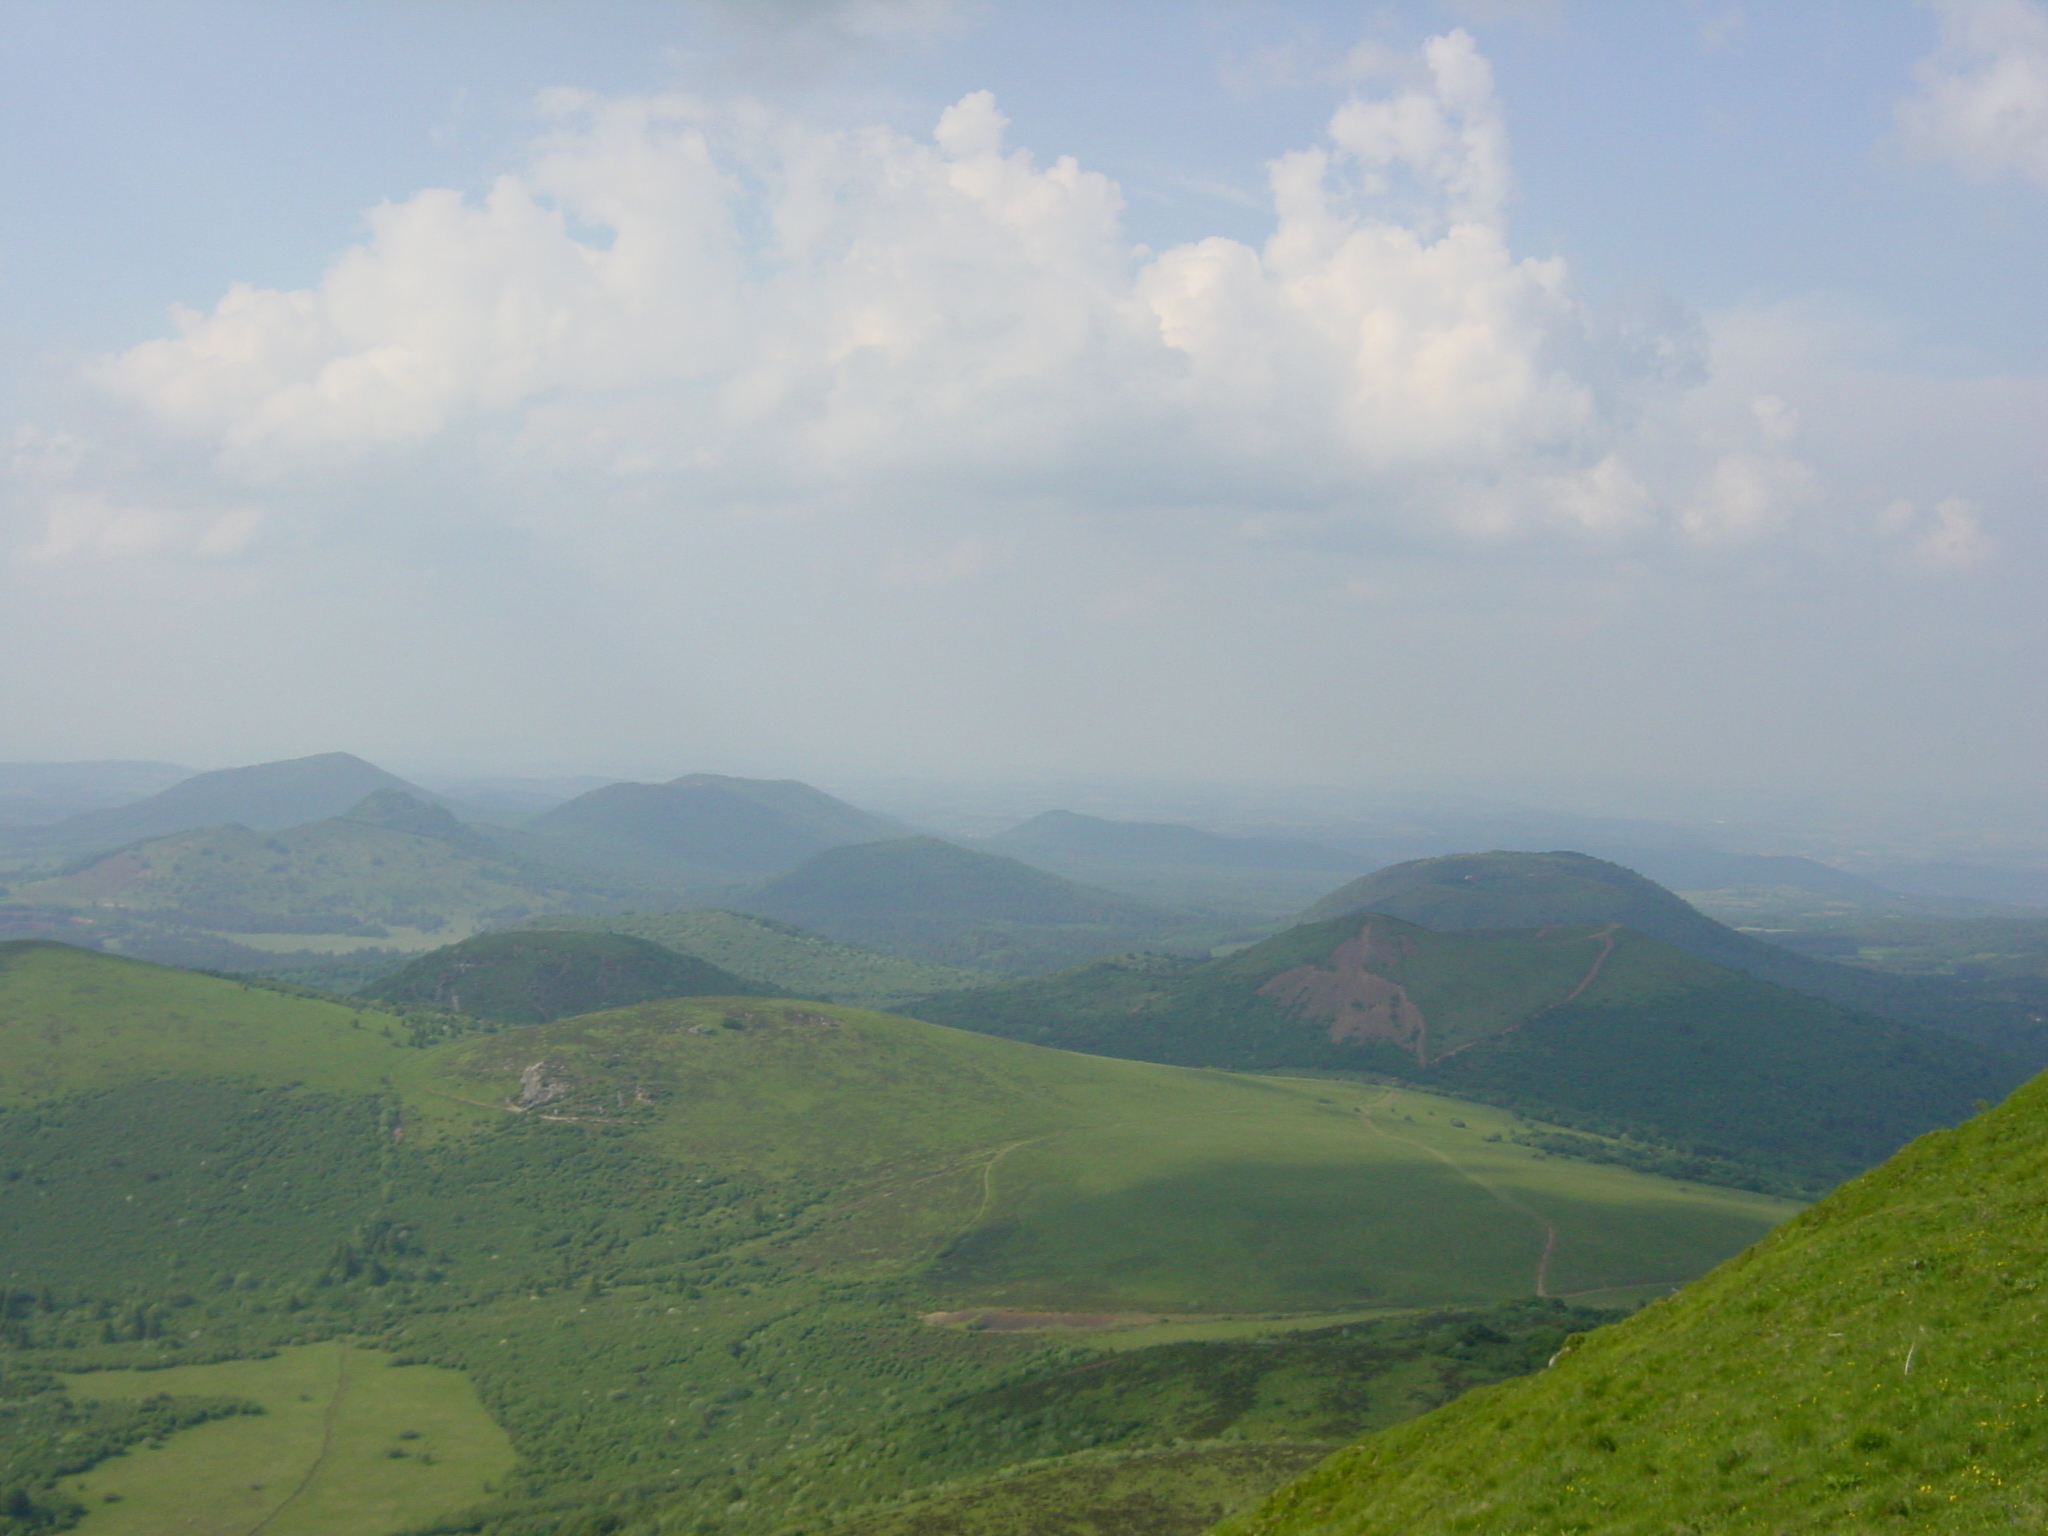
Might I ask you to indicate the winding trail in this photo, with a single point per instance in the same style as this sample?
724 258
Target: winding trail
1606 938
326 1442
1507 1200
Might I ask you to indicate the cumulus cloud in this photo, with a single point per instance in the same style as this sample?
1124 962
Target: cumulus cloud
74 521
1982 105
685 304
87 526
1949 537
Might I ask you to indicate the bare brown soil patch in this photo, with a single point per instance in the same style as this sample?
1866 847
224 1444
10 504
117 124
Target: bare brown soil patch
1351 992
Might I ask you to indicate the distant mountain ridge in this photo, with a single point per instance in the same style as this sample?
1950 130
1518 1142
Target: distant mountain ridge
1071 835
38 794
933 900
389 860
698 825
264 797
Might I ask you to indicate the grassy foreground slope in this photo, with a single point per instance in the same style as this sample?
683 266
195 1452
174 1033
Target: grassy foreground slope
790 961
698 1258
1874 1365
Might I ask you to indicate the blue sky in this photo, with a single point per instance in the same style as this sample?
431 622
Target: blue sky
1381 394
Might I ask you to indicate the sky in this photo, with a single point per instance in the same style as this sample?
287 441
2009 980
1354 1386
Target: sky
1490 395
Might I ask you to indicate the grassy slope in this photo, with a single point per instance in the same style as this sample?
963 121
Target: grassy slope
1654 1041
75 1021
532 976
790 960
1875 1365
1238 1416
692 1277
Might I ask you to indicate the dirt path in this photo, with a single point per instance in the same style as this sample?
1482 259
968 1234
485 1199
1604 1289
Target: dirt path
988 1178
988 1172
326 1442
1505 1199
1606 938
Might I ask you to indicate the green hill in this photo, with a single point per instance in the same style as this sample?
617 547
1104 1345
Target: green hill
1527 890
833 822
1601 1027
264 797
702 826
533 976
736 1261
936 901
392 861
788 960
1873 1366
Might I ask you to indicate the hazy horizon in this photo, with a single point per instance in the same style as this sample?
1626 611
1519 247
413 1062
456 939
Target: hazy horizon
1534 401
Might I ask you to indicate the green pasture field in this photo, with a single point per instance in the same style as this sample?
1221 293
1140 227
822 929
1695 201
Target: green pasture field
347 1445
1328 1195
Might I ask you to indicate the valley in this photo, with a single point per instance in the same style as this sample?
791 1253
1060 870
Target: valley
718 1226
717 1156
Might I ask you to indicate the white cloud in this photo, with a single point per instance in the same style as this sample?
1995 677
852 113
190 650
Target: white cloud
680 305
1950 537
1956 539
86 526
1983 99
1746 496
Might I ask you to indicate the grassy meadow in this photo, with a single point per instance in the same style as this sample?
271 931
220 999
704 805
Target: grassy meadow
345 1443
